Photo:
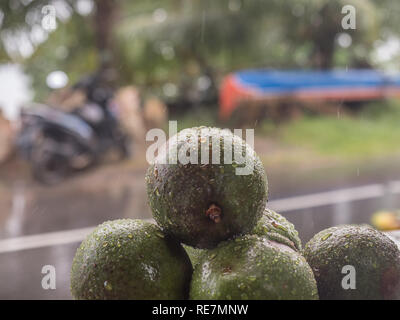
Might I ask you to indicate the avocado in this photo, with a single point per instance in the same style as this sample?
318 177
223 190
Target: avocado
202 203
130 259
271 225
194 254
277 228
373 258
253 267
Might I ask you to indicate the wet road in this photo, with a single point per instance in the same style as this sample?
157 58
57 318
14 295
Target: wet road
86 201
21 272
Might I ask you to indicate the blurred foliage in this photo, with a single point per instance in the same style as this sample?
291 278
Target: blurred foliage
182 42
63 51
198 117
373 133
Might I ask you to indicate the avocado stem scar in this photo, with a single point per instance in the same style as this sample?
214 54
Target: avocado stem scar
214 213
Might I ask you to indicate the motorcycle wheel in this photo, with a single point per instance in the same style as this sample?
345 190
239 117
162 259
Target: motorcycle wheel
48 167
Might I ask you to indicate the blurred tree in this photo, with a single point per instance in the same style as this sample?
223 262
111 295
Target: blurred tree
104 20
167 45
24 20
75 46
174 41
319 22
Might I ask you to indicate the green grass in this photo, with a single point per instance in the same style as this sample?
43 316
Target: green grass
344 136
374 132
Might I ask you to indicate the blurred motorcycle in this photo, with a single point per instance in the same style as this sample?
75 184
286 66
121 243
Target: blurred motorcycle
58 143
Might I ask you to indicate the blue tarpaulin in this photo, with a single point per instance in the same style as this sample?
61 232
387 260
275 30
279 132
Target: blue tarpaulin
306 85
283 81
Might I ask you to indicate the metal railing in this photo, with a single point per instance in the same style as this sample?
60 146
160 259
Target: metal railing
340 198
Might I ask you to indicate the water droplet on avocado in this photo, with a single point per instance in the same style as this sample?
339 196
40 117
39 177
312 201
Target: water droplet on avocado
107 286
326 236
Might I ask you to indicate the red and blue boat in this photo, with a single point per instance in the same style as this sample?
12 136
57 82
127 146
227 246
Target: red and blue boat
303 85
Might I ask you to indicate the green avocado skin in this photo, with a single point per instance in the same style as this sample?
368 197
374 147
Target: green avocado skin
130 260
271 225
373 255
194 254
255 268
180 194
277 228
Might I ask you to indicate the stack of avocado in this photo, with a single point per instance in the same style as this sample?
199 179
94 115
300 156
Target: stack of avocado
215 238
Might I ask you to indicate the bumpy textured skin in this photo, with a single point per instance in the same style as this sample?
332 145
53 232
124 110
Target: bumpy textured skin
271 225
194 254
374 256
180 195
253 267
277 228
130 259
